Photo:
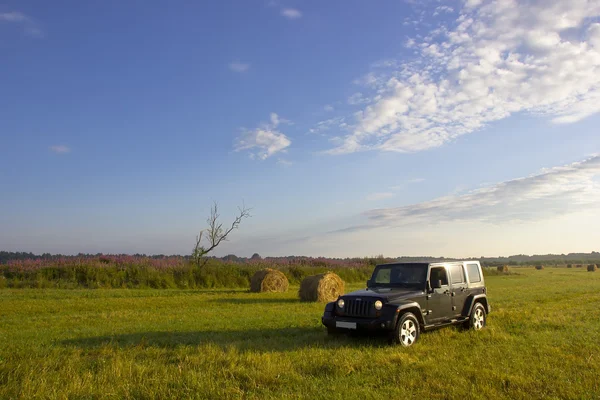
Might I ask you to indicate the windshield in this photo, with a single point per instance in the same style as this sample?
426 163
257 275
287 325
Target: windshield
399 275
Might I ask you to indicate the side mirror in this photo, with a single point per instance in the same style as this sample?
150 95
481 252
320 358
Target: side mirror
436 284
369 283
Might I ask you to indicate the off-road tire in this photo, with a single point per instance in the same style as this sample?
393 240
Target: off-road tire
478 318
407 330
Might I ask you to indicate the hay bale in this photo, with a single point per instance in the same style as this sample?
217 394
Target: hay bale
592 267
503 269
539 267
569 266
323 287
578 266
268 280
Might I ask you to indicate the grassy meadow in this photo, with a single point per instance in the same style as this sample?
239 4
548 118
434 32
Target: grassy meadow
542 341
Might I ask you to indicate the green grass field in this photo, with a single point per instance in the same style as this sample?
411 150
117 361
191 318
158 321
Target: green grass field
542 341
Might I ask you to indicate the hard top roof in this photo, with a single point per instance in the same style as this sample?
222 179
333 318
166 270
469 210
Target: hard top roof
425 262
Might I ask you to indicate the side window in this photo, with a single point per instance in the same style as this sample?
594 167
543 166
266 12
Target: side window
439 273
473 271
457 273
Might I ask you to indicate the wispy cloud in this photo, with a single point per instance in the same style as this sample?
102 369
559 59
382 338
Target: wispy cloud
496 59
28 24
291 13
14 17
442 9
357 98
60 149
379 196
548 194
264 141
328 108
332 123
408 182
239 67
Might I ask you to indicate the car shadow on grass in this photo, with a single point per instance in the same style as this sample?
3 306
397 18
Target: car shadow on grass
263 340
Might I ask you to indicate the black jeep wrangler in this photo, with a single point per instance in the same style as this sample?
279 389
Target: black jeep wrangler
405 299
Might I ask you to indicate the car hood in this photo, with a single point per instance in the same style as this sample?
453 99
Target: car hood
385 293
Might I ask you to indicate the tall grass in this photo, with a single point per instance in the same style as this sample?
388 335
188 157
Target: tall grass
138 272
167 273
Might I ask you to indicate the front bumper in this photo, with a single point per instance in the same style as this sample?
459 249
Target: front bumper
382 323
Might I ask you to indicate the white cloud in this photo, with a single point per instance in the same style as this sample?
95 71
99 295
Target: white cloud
503 57
408 182
60 149
284 162
329 124
373 80
291 13
14 16
473 3
29 25
239 67
357 98
442 9
379 196
328 108
553 192
277 120
264 141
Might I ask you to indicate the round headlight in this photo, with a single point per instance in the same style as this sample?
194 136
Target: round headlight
340 303
378 305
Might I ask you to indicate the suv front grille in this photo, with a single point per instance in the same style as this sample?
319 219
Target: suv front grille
359 308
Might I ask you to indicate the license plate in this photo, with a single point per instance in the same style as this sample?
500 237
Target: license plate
347 325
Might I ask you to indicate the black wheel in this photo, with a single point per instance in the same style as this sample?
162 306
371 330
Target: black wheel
407 330
478 317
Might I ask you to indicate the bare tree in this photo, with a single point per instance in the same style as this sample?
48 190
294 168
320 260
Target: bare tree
215 233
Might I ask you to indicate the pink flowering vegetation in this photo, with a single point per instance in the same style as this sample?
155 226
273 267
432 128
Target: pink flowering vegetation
102 261
126 271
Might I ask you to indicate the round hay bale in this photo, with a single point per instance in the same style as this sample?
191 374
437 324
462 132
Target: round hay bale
268 280
503 269
569 266
578 266
592 267
323 287
539 267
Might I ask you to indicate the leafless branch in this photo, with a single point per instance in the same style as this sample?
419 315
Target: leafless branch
215 232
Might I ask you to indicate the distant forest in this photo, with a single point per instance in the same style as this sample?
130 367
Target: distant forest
515 260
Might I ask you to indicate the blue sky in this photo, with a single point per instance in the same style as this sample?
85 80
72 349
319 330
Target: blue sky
460 128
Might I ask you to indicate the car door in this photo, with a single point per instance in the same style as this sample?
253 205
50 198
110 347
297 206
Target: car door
459 288
439 300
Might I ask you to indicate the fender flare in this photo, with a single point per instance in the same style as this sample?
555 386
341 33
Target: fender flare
481 298
412 307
